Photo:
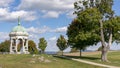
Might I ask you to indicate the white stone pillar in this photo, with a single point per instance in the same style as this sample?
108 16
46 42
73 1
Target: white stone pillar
11 50
16 45
23 45
27 44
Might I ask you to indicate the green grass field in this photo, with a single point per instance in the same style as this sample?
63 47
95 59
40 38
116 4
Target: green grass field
113 57
47 61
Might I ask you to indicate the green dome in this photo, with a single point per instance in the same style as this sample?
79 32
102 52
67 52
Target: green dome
18 29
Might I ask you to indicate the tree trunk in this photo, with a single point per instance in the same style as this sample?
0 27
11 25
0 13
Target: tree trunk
110 41
104 48
80 52
104 54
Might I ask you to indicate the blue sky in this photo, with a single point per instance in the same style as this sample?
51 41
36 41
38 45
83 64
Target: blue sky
41 18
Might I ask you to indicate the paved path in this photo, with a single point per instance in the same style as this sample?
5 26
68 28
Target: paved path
92 63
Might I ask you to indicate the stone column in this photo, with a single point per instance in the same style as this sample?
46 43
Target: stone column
23 45
16 45
11 50
27 44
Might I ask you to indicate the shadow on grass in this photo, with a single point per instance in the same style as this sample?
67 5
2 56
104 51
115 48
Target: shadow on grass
76 57
62 57
84 57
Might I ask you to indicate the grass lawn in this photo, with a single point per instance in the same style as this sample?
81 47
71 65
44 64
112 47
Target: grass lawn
113 57
39 61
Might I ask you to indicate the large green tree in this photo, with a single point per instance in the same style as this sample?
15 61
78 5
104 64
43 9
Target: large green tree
103 19
42 44
4 46
62 43
79 35
32 47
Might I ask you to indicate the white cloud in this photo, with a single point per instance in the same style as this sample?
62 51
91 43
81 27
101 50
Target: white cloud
53 38
70 14
33 36
5 3
52 44
6 15
28 9
32 30
4 35
51 14
3 11
44 29
59 5
38 30
53 8
61 29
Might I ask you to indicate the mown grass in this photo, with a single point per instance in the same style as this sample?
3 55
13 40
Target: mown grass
33 61
113 57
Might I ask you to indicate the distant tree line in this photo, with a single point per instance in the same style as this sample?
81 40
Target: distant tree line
4 46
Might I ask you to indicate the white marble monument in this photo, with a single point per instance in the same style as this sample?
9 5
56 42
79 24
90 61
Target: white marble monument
18 40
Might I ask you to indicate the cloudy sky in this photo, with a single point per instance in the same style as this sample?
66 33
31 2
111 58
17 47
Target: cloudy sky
41 18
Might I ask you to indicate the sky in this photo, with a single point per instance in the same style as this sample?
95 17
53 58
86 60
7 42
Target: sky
41 18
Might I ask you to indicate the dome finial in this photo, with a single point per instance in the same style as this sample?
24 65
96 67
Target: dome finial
18 20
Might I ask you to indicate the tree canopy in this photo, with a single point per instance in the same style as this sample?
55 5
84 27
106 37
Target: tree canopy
96 22
82 32
42 44
4 46
32 47
62 43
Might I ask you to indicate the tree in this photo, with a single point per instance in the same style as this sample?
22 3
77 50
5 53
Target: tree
4 46
79 35
106 20
62 43
32 47
42 44
74 50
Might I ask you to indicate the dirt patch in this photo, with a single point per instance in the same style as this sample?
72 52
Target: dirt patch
83 53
